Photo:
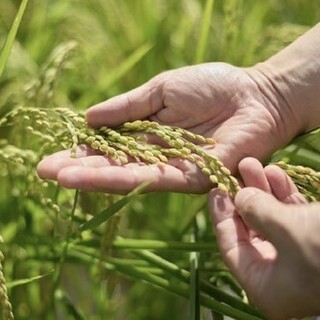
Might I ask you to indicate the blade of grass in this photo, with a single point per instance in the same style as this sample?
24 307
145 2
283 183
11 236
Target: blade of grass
137 244
104 215
6 49
180 275
183 290
64 253
194 277
163 245
170 270
312 139
205 287
205 27
194 287
177 288
22 282
125 66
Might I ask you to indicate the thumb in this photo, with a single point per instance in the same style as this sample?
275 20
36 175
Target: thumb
263 213
136 104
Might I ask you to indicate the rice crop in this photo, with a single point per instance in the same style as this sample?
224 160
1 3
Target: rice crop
71 254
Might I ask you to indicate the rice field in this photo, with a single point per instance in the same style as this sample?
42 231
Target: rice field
70 254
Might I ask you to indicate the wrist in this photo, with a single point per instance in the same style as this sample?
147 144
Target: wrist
294 77
296 89
288 122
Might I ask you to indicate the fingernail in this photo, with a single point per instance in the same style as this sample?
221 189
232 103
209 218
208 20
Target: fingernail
243 196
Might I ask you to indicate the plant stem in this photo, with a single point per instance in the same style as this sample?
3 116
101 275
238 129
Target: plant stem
194 278
163 245
206 287
58 273
205 27
181 289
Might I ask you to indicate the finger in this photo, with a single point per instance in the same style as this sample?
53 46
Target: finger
49 167
253 174
138 103
232 235
263 213
82 151
282 186
180 175
125 178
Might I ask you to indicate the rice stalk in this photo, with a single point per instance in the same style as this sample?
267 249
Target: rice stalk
232 11
40 92
205 27
5 305
6 308
109 234
231 20
180 288
64 127
306 179
58 272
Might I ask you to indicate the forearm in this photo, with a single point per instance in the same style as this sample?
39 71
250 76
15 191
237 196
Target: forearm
294 75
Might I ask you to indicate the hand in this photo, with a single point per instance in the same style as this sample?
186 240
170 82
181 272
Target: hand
271 242
236 106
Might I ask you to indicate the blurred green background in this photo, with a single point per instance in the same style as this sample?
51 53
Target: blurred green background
106 48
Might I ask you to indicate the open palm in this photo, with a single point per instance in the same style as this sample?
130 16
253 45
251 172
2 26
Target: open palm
233 105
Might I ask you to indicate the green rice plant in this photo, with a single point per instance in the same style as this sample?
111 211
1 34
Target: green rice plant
6 308
56 128
203 39
5 305
306 179
231 22
121 143
5 51
98 256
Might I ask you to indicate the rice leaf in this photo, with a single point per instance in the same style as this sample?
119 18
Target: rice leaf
205 27
194 277
205 287
6 49
163 245
125 66
22 282
181 289
104 215
194 287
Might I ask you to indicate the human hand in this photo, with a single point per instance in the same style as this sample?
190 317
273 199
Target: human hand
271 242
236 106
